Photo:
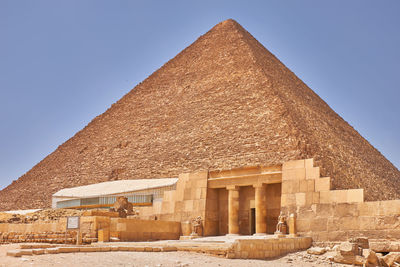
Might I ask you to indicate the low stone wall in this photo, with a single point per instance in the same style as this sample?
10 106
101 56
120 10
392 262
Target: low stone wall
47 232
268 248
341 221
144 230
92 229
334 215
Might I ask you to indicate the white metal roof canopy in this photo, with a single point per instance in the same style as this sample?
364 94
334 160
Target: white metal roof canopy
114 187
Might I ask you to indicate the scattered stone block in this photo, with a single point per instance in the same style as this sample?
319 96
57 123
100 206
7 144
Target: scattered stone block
390 259
347 248
316 251
371 257
14 253
349 259
360 241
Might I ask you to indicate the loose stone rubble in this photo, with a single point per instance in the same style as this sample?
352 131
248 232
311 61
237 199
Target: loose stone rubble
357 251
43 215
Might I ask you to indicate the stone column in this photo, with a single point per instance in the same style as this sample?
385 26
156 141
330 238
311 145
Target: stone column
233 210
292 225
261 208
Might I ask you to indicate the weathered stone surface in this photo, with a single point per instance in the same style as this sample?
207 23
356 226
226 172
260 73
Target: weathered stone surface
14 253
347 248
349 259
360 241
371 257
316 251
391 258
223 102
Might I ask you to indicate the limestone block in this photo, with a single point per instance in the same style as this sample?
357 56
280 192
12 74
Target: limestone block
169 248
349 223
355 195
369 208
337 235
187 193
319 224
121 227
313 173
391 258
14 253
338 196
322 184
367 222
349 259
309 198
303 225
389 207
87 249
309 163
286 184
345 209
103 235
303 186
293 164
333 224
325 197
203 193
68 249
294 186
188 205
288 200
316 251
347 248
371 257
51 250
310 185
315 197
38 251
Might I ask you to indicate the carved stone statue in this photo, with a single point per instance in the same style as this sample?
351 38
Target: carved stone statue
281 227
197 226
123 207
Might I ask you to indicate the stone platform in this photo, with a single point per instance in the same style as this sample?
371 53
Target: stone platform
233 247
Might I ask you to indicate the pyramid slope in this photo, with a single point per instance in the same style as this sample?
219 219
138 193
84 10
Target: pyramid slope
223 102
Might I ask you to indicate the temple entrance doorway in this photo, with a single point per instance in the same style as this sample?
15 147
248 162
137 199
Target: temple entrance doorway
252 221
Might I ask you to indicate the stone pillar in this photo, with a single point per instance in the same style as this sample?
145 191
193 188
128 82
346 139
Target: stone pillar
292 225
233 210
261 208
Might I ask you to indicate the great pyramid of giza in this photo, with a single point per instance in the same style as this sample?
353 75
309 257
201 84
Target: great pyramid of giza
223 102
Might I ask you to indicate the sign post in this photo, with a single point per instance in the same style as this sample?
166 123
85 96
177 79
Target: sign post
73 223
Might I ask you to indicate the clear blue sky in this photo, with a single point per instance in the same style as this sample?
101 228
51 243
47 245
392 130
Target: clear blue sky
64 62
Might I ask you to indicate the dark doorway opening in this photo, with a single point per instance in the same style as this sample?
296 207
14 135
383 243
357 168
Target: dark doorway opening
252 221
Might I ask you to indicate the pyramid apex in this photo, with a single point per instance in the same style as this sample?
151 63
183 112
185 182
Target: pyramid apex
229 23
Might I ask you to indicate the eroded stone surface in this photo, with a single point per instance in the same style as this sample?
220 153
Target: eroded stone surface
223 102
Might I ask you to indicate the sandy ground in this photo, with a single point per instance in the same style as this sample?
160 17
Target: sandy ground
154 259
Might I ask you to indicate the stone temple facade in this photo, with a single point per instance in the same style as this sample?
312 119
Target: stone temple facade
248 201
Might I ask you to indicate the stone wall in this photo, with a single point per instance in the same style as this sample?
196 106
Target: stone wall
143 230
334 215
92 229
48 232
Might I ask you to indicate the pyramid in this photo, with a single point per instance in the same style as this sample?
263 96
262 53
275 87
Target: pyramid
223 102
